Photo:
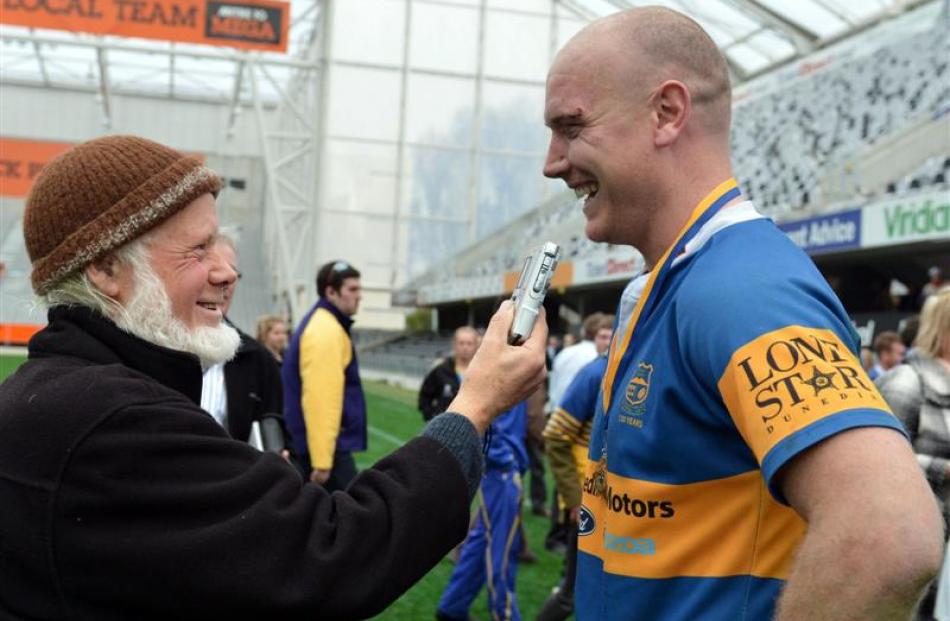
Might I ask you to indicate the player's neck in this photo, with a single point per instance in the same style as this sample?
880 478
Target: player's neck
676 207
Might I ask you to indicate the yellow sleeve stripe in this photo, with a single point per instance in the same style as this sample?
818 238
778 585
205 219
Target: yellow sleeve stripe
563 426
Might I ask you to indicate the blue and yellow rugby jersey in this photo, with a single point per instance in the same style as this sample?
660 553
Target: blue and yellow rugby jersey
747 359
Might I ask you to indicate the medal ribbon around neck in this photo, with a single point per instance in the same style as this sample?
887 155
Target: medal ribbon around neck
704 211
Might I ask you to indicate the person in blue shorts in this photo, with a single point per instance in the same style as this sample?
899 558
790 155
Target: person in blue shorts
742 466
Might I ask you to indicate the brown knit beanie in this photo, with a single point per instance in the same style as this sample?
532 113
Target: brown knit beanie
102 194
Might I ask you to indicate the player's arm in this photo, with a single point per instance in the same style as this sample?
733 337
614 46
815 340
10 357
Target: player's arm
560 434
875 536
827 445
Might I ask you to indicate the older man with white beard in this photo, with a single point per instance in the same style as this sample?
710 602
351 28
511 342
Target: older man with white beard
122 499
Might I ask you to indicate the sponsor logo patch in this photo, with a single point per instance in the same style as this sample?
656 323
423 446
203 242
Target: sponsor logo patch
585 521
785 380
629 545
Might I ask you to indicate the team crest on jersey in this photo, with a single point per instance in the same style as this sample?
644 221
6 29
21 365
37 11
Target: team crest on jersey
636 393
585 521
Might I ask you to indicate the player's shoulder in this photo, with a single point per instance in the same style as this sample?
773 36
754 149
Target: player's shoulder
750 279
747 265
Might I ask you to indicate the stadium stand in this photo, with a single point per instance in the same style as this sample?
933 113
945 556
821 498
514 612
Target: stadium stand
784 140
412 354
933 173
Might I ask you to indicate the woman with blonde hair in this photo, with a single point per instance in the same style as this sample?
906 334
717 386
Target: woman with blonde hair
272 334
919 393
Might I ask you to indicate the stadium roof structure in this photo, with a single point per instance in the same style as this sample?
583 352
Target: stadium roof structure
756 35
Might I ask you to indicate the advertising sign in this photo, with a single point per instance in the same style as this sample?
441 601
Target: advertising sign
22 160
620 263
923 217
839 231
248 24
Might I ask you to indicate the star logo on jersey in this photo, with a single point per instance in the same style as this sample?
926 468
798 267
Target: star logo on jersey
791 377
820 381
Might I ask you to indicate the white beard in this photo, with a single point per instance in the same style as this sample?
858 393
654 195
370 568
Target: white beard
149 316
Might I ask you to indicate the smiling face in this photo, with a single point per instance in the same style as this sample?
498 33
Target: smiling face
191 268
601 143
228 261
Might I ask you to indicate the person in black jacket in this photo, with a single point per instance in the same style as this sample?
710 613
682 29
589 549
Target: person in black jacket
249 383
442 383
123 499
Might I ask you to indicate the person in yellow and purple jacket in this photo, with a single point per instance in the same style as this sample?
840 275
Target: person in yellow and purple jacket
323 398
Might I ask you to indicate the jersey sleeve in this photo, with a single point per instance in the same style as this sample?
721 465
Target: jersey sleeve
780 355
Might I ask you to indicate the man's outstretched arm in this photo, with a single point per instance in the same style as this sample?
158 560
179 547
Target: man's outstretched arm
875 536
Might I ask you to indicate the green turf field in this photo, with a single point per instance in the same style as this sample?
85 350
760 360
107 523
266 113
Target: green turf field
10 359
393 420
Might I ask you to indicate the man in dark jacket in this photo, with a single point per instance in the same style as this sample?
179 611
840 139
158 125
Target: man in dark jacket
122 499
442 383
247 388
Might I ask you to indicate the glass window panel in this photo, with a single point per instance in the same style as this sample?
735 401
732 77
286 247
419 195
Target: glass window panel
507 188
772 44
567 28
513 117
516 46
536 6
364 103
359 22
360 176
810 15
443 38
439 187
439 110
747 58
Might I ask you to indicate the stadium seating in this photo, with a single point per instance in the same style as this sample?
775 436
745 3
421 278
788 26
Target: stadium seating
406 354
782 141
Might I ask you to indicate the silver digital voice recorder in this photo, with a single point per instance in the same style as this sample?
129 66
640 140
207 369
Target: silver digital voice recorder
528 295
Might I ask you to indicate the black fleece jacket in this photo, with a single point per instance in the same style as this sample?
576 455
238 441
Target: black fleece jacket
438 389
121 499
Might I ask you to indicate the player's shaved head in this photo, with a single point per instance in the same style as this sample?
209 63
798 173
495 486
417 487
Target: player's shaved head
643 47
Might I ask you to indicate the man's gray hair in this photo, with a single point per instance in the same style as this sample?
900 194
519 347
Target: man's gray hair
77 290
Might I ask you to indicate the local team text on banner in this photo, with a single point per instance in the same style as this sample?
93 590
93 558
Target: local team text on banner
248 24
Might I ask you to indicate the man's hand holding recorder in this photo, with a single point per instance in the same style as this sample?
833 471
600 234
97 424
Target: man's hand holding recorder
501 374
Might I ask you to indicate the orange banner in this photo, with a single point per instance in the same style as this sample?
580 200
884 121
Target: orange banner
22 160
563 277
248 24
17 333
